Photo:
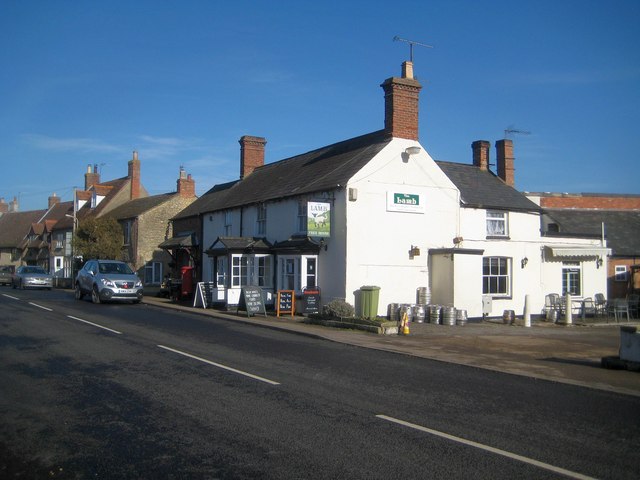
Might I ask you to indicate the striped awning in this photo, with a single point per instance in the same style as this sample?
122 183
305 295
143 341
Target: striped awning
567 251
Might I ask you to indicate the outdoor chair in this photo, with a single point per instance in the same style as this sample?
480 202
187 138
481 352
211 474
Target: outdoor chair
601 304
588 307
619 307
634 300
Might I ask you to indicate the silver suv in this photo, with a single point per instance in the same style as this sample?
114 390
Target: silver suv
108 280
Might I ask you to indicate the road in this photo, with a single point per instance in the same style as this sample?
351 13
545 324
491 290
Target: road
141 392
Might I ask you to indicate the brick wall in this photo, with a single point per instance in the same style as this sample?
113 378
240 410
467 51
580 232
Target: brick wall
606 202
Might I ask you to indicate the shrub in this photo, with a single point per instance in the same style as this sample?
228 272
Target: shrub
338 308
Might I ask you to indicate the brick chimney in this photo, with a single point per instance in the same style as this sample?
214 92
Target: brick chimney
401 97
186 185
4 207
92 177
504 161
53 200
481 154
134 176
251 154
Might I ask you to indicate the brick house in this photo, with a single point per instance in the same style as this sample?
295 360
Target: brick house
146 223
615 217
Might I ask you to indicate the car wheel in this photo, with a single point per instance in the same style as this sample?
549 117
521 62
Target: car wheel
21 285
78 293
95 295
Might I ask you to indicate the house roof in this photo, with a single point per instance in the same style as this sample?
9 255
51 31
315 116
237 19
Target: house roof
483 189
15 225
239 244
138 206
318 170
622 227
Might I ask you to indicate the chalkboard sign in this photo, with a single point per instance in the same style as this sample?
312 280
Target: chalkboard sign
286 302
204 295
252 301
311 297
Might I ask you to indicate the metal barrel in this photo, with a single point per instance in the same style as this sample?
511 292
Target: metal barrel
508 316
392 312
448 315
405 308
434 314
423 296
419 313
461 317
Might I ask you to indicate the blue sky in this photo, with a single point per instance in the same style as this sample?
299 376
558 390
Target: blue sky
88 82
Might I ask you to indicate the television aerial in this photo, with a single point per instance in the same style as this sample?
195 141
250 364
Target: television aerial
411 44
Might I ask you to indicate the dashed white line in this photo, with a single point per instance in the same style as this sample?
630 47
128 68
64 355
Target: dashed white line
40 306
10 296
219 365
481 446
94 324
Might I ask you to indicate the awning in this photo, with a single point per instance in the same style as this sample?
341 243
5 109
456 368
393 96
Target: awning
180 241
578 251
225 245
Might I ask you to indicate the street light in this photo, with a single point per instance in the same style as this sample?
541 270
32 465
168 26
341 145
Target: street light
73 233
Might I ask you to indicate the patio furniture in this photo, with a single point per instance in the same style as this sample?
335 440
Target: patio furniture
634 300
601 304
588 307
619 307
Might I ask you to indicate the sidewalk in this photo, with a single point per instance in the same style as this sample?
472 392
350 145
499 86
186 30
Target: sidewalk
568 354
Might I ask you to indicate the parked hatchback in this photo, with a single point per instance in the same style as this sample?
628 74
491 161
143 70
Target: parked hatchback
29 276
107 280
6 274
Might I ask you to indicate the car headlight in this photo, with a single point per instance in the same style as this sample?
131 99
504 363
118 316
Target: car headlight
107 283
138 284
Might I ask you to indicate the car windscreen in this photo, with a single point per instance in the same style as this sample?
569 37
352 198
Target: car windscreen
33 270
115 267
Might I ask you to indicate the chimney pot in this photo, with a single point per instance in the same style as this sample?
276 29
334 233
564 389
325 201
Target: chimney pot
401 97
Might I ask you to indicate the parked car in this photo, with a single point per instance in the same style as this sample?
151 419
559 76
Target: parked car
107 280
29 276
6 272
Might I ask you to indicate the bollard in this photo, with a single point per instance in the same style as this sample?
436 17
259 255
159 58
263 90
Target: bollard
527 312
568 319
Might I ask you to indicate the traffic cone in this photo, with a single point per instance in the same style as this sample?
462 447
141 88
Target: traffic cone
405 324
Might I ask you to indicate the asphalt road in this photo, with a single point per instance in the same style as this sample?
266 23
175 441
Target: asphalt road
140 392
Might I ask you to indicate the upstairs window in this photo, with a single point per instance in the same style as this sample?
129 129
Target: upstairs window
497 225
302 217
126 232
621 273
228 223
261 220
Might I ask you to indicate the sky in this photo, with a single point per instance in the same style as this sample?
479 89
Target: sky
89 82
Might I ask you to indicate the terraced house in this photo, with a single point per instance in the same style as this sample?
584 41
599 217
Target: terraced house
378 210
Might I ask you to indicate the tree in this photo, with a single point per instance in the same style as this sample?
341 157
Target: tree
99 238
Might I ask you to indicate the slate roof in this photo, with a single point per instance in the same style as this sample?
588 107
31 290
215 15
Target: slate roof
484 189
14 226
622 227
224 244
138 206
315 171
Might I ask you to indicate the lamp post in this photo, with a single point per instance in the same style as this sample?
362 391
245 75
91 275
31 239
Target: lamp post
73 233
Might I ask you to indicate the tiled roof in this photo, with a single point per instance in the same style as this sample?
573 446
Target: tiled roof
15 225
224 244
483 189
622 227
316 171
138 206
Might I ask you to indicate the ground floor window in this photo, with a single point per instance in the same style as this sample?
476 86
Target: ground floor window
251 270
571 278
153 273
297 272
496 278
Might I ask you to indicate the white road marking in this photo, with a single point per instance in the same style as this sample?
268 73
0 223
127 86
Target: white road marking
224 367
40 306
94 324
10 296
481 446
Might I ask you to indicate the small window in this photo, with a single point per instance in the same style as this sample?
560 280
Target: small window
228 219
496 224
153 273
261 221
496 279
126 232
302 217
621 273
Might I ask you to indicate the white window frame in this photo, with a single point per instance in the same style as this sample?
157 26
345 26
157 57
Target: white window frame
221 271
254 270
497 223
491 284
126 232
621 273
228 223
153 270
293 272
569 272
301 218
261 220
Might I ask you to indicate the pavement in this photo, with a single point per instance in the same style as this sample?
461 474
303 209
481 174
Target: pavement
569 354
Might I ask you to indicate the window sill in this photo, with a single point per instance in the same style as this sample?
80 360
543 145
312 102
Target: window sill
498 237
